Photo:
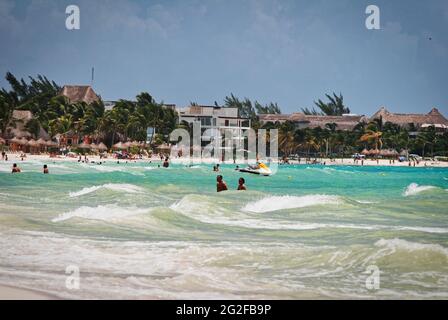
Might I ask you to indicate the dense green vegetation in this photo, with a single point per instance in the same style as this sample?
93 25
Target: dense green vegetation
130 120
55 113
330 141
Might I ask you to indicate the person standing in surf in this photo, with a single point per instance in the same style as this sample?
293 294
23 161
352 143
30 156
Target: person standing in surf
241 186
166 164
15 168
220 185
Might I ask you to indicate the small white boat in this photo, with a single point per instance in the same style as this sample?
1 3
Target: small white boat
260 169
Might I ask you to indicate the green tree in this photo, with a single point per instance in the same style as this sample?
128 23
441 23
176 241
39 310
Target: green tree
8 103
335 106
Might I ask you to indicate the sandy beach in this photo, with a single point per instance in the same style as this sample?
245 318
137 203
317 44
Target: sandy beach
12 293
15 158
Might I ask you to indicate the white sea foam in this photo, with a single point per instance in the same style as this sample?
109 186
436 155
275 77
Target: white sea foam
275 203
424 229
365 202
106 169
410 246
119 187
104 213
102 168
414 189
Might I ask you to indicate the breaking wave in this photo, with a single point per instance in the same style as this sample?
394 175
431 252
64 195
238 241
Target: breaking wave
119 187
275 203
414 189
104 213
400 244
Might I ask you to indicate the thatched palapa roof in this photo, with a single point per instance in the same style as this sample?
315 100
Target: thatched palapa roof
17 127
344 122
77 93
434 117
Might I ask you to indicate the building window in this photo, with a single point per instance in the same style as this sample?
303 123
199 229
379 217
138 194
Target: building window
206 122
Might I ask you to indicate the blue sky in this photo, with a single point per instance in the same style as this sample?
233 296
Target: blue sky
289 52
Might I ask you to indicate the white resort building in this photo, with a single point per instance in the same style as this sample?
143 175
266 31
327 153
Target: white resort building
215 121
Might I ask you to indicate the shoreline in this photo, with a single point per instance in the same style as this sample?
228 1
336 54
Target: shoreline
8 292
15 158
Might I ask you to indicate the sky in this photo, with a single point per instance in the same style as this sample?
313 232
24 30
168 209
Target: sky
291 52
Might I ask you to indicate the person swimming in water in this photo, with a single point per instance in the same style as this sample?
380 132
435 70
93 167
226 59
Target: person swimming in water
241 185
166 164
15 168
46 169
220 185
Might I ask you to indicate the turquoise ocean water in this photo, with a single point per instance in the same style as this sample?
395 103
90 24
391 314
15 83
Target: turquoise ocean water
138 231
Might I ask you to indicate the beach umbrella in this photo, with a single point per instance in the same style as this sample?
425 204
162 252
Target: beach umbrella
2 141
135 144
22 141
365 152
374 152
394 152
51 144
33 143
84 146
42 142
404 152
119 145
127 145
102 146
164 147
14 140
93 146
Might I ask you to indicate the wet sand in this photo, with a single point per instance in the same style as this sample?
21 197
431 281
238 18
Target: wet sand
12 293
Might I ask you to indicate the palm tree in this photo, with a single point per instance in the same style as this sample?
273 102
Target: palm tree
427 137
61 125
33 127
287 142
375 136
286 138
335 106
328 135
8 103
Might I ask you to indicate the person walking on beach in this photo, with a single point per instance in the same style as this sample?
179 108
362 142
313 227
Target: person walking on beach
221 185
3 155
15 168
241 185
46 169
